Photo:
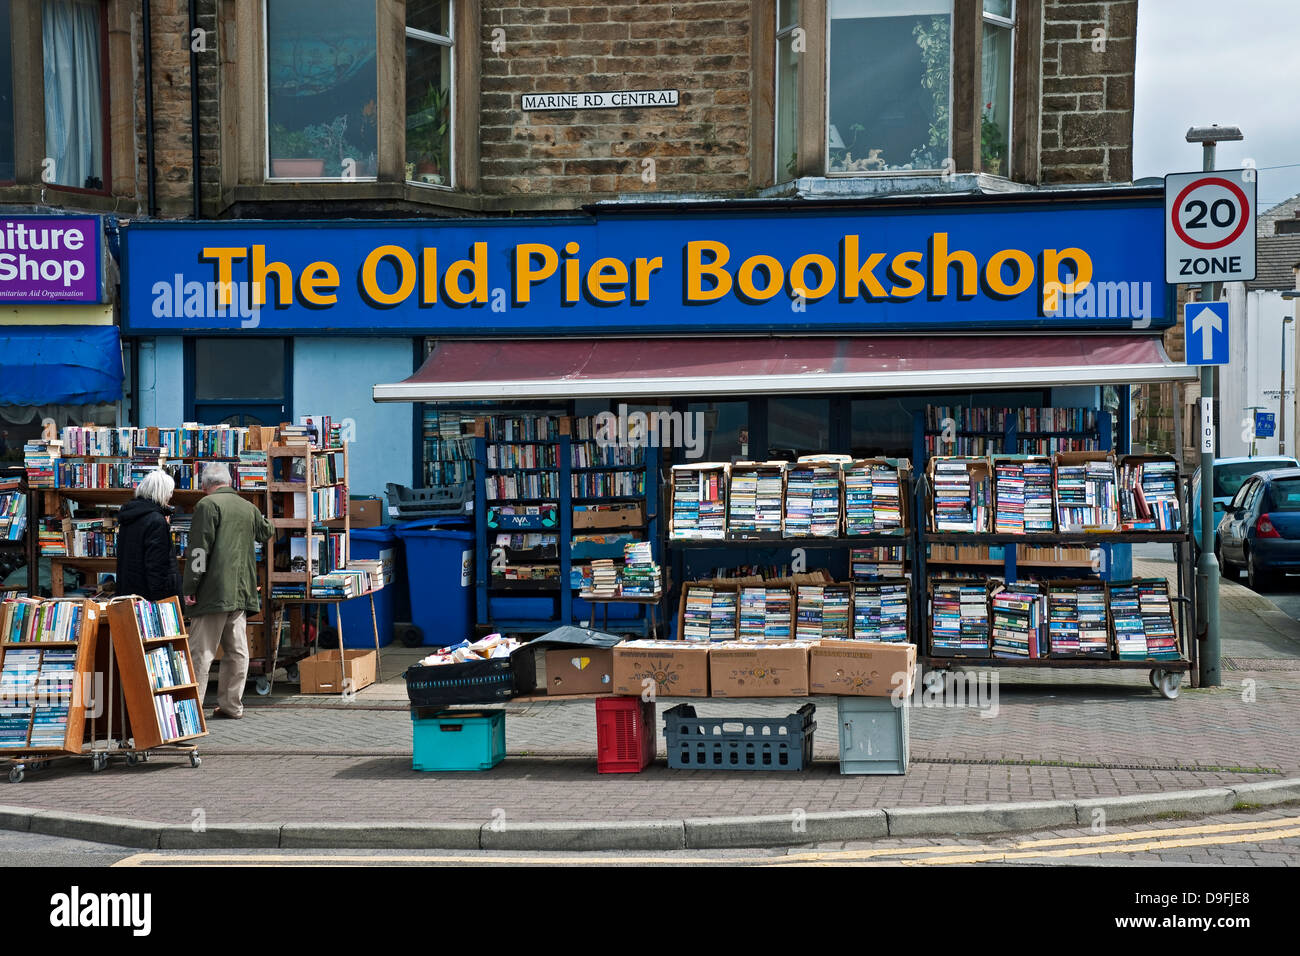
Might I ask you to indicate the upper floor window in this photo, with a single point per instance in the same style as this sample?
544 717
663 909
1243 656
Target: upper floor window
789 47
6 97
72 48
890 77
995 84
321 90
429 91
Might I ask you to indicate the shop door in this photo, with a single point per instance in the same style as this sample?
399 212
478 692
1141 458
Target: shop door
238 381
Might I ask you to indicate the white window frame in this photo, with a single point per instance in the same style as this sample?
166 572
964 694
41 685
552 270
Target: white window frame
781 34
266 107
449 42
826 121
1010 25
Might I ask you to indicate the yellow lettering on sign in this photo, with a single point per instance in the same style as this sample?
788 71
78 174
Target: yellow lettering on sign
317 284
476 267
405 275
225 257
799 283
604 272
1024 272
526 275
261 269
642 270
1052 285
745 277
902 269
697 269
856 272
941 260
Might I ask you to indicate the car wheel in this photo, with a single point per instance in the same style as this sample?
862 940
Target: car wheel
1260 580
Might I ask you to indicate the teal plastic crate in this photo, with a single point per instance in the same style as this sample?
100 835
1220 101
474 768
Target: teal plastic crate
457 739
874 735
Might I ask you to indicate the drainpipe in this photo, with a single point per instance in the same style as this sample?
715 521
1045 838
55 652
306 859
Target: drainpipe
196 174
148 108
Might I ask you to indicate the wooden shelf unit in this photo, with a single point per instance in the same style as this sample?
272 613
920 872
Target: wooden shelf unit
282 490
83 669
129 649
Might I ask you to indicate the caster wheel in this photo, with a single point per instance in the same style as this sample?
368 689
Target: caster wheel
1169 684
195 760
292 673
15 774
411 636
98 763
1154 678
263 686
132 759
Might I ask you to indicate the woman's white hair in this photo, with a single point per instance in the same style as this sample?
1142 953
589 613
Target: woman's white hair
157 486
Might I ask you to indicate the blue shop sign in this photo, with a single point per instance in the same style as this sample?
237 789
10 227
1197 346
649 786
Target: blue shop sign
973 265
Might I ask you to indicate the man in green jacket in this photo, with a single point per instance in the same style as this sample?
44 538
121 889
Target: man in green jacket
220 585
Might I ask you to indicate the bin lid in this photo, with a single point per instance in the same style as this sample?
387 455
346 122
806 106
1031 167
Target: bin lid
567 634
453 528
380 534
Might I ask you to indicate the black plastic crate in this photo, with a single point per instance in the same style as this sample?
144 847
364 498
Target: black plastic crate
474 682
445 500
739 743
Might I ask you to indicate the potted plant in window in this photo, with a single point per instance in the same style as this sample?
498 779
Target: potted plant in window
290 152
993 148
330 141
426 137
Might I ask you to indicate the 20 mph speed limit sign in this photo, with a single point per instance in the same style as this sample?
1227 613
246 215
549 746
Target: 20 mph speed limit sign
1210 226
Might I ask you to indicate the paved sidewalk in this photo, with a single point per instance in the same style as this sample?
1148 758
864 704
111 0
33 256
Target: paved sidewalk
1030 736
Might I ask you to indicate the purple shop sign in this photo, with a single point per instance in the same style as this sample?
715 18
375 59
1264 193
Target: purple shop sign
49 259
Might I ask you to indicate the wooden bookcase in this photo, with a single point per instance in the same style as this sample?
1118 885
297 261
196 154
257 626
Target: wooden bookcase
279 497
84 643
129 648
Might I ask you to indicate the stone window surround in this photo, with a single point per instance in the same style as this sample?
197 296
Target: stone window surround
243 113
967 95
119 191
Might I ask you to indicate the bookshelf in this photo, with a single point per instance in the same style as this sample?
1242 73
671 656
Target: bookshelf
551 499
47 648
307 497
145 634
17 539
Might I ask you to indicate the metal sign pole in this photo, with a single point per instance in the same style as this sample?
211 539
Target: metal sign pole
1207 571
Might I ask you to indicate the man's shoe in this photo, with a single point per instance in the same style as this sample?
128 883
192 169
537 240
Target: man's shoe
221 714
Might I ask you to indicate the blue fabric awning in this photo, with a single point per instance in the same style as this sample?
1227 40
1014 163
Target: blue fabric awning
60 364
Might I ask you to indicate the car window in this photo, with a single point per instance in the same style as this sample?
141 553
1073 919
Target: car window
1239 499
1228 479
1284 495
1253 494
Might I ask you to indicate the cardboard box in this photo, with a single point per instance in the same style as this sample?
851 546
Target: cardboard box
579 670
320 673
980 471
862 668
1080 458
904 468
678 669
759 670
614 516
365 512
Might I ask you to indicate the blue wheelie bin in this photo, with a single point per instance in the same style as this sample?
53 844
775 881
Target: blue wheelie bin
378 543
440 574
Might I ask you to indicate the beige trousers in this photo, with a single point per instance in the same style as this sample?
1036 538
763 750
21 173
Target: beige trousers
227 631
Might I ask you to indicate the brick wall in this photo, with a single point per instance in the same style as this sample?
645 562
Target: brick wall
700 48
1089 50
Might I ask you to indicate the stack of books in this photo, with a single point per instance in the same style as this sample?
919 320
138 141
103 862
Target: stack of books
885 561
960 619
722 616
31 620
812 500
1009 498
177 717
641 577
15 723
50 539
1148 496
1038 496
158 619
1086 496
696 613
337 585
250 472
50 726
18 680
13 515
181 524
872 503
754 508
1126 621
1017 623
765 614
960 496
822 611
604 577
699 503
167 666
1077 620
90 538
41 461
880 612
1157 619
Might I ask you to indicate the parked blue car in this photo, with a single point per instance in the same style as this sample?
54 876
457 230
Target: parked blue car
1229 475
1260 528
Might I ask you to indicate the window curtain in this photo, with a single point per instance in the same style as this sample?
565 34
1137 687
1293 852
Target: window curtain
74 118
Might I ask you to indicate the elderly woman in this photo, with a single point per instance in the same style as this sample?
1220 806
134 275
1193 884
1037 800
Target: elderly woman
146 556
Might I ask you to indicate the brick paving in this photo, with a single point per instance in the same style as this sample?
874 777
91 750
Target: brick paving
1037 735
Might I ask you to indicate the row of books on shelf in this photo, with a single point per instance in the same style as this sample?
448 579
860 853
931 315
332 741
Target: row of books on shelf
177 716
1089 491
804 607
320 504
590 454
33 727
982 618
167 666
190 440
1027 419
449 449
502 456
1064 555
157 619
508 428
13 515
447 472
820 496
27 620
504 487
447 424
996 445
608 484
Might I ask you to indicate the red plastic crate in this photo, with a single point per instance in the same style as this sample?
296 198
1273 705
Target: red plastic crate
625 734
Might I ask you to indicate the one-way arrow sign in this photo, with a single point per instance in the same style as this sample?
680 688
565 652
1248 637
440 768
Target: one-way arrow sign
1205 325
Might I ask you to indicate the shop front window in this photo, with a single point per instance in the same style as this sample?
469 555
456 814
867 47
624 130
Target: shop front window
890 69
725 426
6 97
995 81
429 92
798 426
788 50
322 90
72 49
240 381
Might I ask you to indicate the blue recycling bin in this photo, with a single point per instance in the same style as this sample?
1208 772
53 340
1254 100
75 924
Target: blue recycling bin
440 574
376 544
